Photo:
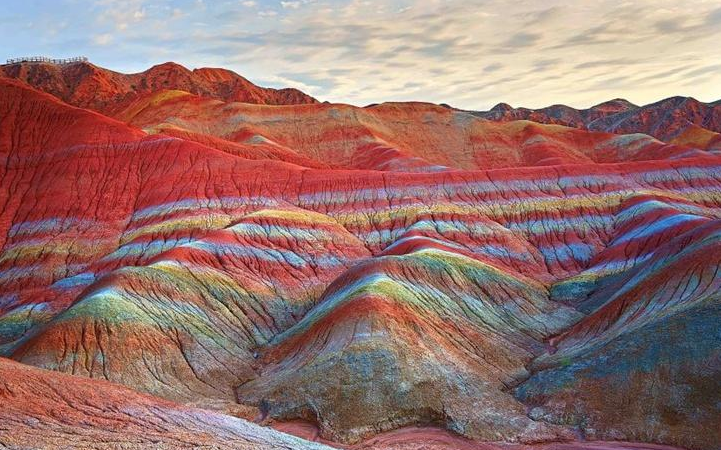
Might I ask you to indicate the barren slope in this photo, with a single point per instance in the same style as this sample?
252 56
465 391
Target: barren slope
679 120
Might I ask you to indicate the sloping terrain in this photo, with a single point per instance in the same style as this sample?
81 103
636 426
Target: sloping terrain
415 338
657 326
559 114
365 269
48 410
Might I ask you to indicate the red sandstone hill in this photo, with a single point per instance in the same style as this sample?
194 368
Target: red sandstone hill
88 86
290 263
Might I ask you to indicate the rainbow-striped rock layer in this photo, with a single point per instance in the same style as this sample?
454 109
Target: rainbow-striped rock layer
509 282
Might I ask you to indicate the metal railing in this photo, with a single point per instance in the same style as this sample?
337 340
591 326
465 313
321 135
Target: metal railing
44 59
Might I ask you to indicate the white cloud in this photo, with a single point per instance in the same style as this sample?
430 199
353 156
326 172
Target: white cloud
468 53
102 39
120 14
464 55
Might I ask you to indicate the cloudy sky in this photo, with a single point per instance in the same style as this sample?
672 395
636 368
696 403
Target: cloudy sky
471 54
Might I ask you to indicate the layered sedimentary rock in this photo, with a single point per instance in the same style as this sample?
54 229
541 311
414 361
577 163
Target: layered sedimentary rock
365 269
559 114
47 410
652 336
420 337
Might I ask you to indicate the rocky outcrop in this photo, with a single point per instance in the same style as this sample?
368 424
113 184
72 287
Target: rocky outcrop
653 339
420 337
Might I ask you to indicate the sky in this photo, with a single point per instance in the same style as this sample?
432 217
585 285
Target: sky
470 54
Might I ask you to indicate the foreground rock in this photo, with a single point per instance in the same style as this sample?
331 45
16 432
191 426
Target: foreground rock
427 337
646 365
49 410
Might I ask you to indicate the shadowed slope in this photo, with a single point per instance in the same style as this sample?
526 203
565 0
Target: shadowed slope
558 114
655 338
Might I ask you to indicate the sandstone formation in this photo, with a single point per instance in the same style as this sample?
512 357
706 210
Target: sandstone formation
361 271
407 137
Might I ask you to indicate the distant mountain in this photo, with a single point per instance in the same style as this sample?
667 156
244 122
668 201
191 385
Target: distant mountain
557 114
678 120
86 85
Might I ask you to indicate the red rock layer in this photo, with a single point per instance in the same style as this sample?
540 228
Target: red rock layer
407 137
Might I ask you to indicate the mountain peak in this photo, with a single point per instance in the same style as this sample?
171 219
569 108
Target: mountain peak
617 104
502 107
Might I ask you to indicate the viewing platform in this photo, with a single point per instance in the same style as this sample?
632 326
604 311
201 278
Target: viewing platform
44 59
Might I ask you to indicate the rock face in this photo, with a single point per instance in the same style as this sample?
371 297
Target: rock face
421 337
359 269
48 410
655 338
